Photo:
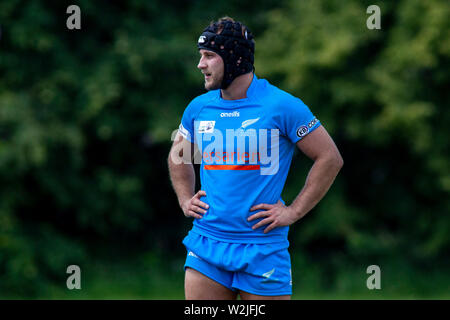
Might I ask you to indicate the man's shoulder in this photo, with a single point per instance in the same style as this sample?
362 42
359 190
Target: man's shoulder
203 98
275 96
281 94
196 104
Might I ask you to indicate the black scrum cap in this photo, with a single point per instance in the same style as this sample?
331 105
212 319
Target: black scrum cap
236 49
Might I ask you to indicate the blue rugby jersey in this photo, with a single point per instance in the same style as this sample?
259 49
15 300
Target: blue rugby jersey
247 147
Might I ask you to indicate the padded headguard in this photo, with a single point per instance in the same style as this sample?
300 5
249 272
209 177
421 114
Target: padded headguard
236 49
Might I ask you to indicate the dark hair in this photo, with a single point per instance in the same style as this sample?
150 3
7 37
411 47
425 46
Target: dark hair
221 23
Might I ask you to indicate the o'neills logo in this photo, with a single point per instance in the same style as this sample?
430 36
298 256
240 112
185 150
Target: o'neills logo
230 114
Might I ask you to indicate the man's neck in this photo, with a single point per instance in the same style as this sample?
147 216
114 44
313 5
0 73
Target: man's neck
238 88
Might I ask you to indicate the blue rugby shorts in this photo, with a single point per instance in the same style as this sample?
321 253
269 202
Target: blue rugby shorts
260 269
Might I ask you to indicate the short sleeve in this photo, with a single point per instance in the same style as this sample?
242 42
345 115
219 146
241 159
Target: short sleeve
186 128
297 120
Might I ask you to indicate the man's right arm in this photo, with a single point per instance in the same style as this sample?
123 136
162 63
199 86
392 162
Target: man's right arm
182 175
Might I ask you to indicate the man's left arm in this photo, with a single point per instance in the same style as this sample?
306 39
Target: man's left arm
320 147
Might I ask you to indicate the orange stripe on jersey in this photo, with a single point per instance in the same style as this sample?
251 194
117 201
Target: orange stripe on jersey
230 167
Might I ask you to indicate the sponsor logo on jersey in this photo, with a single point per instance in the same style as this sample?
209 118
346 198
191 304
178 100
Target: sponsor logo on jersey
312 123
237 149
206 127
303 130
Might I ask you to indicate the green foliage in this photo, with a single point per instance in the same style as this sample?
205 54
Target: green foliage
380 93
86 118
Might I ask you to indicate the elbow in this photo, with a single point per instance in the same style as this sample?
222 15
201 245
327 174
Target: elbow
339 162
332 162
335 161
172 159
168 158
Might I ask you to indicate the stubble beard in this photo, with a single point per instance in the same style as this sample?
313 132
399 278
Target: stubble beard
213 84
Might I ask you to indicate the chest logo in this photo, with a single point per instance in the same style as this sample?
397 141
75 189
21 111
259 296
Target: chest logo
248 122
229 114
206 127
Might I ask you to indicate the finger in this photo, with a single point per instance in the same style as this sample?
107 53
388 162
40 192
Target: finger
272 226
194 215
200 193
261 206
200 203
262 222
259 215
197 209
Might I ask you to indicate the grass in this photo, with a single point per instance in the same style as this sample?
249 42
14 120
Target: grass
161 278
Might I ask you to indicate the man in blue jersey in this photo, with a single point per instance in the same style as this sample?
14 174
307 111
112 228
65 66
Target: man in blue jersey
245 131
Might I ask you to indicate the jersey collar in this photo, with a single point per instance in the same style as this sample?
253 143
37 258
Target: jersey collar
250 93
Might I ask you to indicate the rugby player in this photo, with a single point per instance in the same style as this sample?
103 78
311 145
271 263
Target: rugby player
246 131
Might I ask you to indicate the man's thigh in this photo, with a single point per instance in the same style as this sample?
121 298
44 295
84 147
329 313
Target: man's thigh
197 286
248 296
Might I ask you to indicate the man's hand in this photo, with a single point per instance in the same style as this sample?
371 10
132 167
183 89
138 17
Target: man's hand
193 207
278 215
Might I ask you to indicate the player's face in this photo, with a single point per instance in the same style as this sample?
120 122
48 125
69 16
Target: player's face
211 65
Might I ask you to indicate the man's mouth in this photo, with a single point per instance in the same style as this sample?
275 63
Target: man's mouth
207 75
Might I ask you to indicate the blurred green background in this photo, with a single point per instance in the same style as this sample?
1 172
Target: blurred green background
86 118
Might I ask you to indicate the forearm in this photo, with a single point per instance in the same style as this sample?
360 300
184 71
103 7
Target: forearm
182 177
319 180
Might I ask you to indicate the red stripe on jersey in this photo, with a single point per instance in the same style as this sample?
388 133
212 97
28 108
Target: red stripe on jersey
230 167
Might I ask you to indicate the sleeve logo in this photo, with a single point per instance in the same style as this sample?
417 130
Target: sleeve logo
303 130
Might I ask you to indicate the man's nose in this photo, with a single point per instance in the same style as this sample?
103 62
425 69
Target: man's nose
201 64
